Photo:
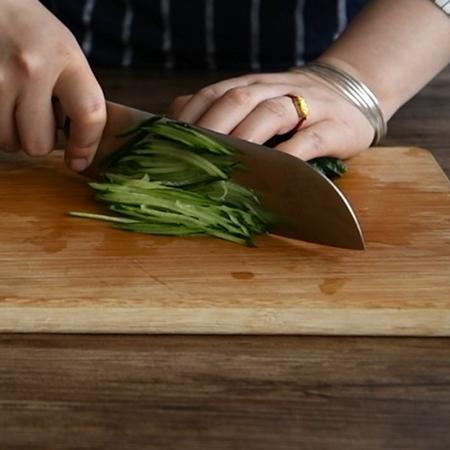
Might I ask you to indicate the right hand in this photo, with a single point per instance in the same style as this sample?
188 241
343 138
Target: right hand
40 59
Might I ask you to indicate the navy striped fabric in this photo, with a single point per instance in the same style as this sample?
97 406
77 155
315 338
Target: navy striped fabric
249 35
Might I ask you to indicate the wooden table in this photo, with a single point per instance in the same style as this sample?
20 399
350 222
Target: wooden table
232 392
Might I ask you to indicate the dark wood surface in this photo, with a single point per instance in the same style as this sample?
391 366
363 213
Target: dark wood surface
232 392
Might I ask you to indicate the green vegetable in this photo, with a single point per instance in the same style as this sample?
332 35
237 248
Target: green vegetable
171 179
330 167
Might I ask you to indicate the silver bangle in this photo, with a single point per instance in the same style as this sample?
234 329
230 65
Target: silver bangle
354 91
444 5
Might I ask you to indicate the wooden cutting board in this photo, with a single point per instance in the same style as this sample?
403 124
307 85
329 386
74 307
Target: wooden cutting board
65 274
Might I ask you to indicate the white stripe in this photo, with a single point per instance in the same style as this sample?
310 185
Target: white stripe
254 35
299 33
127 23
444 5
167 33
88 12
209 35
342 17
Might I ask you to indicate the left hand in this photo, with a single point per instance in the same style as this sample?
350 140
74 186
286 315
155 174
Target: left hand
257 107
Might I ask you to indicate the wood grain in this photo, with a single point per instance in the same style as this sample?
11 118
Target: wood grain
231 392
63 274
207 392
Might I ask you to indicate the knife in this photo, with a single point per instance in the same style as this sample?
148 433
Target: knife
308 206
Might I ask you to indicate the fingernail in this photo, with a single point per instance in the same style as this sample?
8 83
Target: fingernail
78 164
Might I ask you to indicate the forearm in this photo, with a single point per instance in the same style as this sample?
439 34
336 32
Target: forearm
395 47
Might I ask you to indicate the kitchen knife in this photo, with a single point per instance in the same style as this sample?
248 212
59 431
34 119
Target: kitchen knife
306 204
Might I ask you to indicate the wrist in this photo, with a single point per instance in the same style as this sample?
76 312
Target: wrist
395 48
354 91
388 102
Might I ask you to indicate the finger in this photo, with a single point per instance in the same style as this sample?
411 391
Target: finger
202 101
36 122
9 136
324 138
271 117
236 104
83 101
177 105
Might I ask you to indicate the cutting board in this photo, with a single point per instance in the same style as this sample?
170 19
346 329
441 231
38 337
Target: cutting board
66 274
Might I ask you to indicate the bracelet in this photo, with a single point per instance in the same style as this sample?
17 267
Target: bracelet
444 5
354 91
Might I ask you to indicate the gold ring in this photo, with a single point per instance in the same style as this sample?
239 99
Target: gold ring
300 105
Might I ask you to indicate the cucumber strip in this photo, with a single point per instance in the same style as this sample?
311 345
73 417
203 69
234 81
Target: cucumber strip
212 217
140 157
181 231
153 228
154 190
142 125
211 214
101 217
229 237
122 150
184 134
171 179
186 156
144 214
188 176
154 216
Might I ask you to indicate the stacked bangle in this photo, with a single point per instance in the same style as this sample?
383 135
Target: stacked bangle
354 91
444 5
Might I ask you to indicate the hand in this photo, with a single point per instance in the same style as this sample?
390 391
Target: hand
257 107
41 59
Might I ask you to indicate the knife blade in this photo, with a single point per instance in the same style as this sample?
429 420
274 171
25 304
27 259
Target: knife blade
308 206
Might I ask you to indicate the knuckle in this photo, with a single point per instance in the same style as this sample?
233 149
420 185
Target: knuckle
252 78
30 64
91 113
178 103
274 107
316 141
239 96
209 93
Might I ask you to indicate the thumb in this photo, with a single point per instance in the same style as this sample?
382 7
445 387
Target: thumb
83 102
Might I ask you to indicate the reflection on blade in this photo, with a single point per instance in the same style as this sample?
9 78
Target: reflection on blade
308 205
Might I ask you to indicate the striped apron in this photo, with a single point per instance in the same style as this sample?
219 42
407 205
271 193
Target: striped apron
248 35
